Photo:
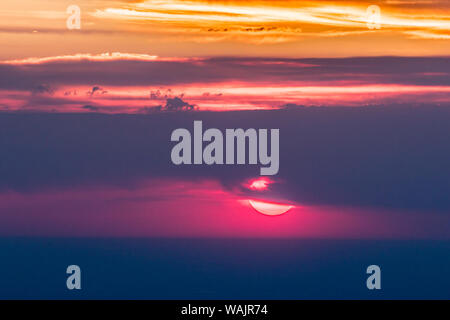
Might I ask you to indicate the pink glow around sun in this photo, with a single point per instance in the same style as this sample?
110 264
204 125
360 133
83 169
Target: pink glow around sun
266 207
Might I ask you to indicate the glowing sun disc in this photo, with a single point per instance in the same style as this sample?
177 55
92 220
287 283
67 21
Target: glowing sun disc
270 209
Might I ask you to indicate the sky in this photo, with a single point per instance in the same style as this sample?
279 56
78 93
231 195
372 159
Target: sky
361 104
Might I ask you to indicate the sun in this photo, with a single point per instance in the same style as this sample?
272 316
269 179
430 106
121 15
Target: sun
270 208
259 184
